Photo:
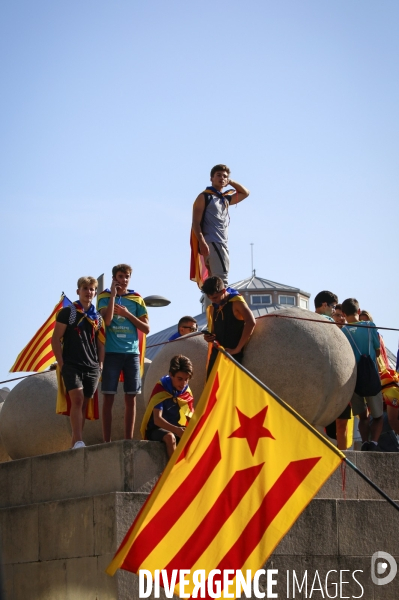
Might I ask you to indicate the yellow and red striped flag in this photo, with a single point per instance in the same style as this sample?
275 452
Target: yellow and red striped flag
245 469
38 354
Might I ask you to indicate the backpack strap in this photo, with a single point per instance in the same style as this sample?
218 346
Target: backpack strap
356 346
208 198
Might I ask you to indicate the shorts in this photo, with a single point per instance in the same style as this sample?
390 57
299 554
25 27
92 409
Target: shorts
373 403
157 435
129 364
346 413
218 261
74 378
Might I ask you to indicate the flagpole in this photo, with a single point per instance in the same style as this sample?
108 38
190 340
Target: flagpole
308 426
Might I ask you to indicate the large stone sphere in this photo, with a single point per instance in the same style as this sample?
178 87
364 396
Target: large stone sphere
310 365
29 425
4 456
195 348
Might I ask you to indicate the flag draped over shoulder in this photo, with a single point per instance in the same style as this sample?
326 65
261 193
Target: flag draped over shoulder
38 354
198 269
245 469
134 297
185 401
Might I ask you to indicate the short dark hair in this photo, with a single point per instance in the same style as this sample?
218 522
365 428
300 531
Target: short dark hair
212 285
325 296
186 319
127 269
350 306
181 363
217 168
338 307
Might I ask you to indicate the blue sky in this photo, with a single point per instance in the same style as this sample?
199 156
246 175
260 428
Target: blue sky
112 115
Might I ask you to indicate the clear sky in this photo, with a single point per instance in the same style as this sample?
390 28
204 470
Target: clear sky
113 113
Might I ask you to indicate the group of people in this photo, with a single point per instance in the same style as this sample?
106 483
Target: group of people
363 336
82 356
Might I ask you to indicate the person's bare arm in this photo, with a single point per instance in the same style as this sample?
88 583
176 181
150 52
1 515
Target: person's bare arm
243 312
198 211
58 333
140 322
241 192
161 422
107 313
100 353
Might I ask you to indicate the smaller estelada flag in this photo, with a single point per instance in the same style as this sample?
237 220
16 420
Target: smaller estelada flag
245 469
38 354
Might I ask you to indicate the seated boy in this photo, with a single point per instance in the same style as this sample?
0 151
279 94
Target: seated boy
170 406
79 351
124 315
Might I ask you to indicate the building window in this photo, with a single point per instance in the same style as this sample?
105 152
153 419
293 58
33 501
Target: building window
261 299
303 303
287 300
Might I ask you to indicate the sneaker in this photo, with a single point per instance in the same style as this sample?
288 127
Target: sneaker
366 446
79 445
375 448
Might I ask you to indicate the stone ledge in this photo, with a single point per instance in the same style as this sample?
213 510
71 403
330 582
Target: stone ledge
124 466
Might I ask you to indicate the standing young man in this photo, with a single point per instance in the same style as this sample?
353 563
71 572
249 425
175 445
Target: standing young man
125 315
325 303
364 339
211 221
230 320
78 347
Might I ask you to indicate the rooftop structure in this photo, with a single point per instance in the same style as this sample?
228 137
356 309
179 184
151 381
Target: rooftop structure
262 296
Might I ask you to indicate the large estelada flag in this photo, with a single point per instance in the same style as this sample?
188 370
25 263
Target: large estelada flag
245 469
38 354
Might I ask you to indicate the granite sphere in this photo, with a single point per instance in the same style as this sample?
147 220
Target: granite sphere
309 364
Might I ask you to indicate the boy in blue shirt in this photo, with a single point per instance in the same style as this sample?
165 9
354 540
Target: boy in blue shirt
125 318
364 339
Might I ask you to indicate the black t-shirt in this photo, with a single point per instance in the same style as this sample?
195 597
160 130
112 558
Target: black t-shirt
79 343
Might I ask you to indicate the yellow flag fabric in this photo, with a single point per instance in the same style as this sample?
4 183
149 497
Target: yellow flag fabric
245 469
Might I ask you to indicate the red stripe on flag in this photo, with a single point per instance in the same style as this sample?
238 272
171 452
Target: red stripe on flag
160 525
275 499
209 407
222 509
46 358
31 365
43 331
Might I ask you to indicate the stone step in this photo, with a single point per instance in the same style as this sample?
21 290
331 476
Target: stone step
124 466
59 550
134 466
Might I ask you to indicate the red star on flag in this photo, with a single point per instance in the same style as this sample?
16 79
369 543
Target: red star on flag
251 428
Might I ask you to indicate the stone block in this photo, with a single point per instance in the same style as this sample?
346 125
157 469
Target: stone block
107 586
40 581
66 529
113 515
19 534
365 526
314 533
104 469
149 459
390 591
15 483
81 578
58 475
345 477
382 469
8 581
